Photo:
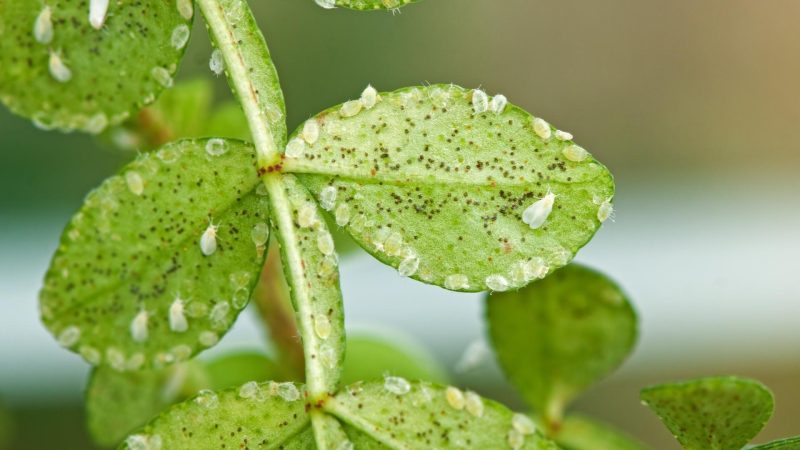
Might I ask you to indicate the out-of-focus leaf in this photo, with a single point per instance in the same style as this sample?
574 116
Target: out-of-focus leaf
371 356
181 112
130 286
61 72
5 427
236 368
431 182
416 415
582 433
559 335
228 120
792 443
254 415
118 403
714 413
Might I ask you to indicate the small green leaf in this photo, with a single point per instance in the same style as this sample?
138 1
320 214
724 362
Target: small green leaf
181 112
234 369
228 120
371 356
117 403
364 5
431 182
582 433
63 73
411 415
311 267
792 443
561 334
266 415
130 286
715 413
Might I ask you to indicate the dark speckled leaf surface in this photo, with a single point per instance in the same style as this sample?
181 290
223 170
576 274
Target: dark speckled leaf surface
113 71
715 413
423 418
129 286
259 418
431 187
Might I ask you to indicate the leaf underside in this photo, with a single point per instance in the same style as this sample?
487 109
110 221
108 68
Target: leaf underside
368 5
430 187
372 418
423 418
559 335
118 403
583 433
133 252
718 413
111 69
226 419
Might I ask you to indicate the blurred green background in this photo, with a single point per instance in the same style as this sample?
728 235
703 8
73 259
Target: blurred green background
694 105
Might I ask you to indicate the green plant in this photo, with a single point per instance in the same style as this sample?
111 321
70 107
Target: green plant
448 185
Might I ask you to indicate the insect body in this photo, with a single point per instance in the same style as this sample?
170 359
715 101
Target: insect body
208 241
536 214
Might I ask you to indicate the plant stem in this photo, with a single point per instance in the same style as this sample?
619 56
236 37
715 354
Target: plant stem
274 305
250 72
311 296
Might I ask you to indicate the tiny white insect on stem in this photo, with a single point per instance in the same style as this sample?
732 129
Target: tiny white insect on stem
97 13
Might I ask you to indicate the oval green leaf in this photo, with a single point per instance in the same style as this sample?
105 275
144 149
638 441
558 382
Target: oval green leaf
118 403
715 413
255 415
62 72
410 415
431 182
583 433
371 356
559 335
364 5
130 286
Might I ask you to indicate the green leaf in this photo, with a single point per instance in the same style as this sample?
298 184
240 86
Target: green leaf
234 369
371 356
561 334
129 286
582 433
266 415
792 443
715 413
118 403
228 120
311 267
105 74
181 112
431 187
415 415
246 61
364 5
